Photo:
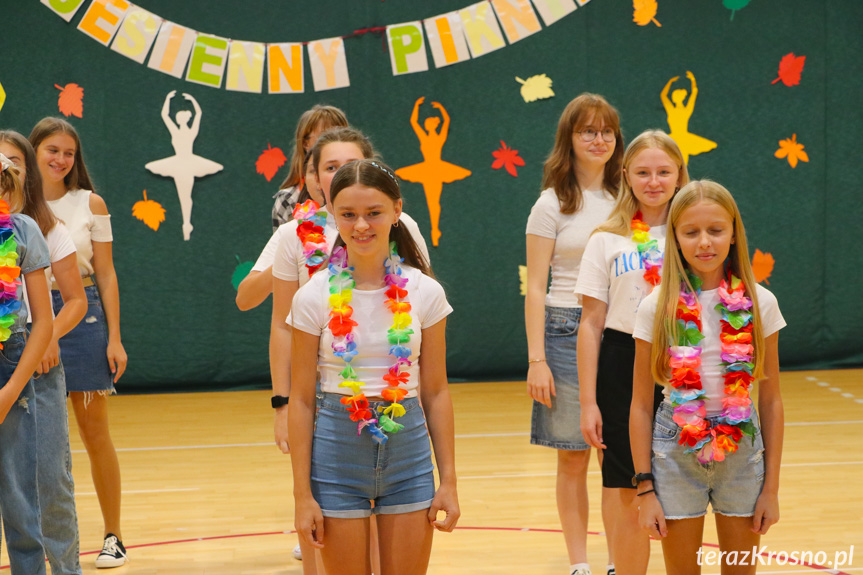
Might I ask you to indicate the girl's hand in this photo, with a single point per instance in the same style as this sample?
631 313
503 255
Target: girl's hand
651 517
280 429
309 521
540 383
445 499
117 359
50 358
591 425
766 512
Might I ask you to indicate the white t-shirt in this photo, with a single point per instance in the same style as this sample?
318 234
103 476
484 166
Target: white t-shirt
711 363
612 272
60 245
73 209
570 233
310 313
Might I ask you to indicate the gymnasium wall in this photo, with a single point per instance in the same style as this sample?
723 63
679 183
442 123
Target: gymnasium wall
180 325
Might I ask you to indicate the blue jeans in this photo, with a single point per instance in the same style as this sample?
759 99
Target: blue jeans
19 499
54 467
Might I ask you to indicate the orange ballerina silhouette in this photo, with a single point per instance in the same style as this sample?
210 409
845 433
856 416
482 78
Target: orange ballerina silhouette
432 172
678 119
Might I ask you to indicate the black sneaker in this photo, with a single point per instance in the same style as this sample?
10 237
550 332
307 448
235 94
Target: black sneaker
113 553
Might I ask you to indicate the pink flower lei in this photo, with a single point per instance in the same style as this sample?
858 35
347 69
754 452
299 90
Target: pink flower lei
311 220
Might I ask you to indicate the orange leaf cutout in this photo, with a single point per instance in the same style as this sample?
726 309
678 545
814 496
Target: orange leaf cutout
270 161
644 12
507 158
762 266
793 150
150 212
71 100
790 68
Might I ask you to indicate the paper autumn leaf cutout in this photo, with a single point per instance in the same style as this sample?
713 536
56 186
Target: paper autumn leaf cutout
790 68
644 12
762 266
270 161
506 157
535 88
240 272
734 5
793 150
71 100
149 211
522 280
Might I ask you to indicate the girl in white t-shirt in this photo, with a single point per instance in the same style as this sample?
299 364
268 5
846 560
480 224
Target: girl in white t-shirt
374 329
621 264
581 178
708 333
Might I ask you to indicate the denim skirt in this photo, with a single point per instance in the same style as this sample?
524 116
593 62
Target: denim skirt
84 350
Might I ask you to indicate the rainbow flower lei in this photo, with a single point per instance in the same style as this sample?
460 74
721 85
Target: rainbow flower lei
711 441
341 284
9 273
310 229
648 249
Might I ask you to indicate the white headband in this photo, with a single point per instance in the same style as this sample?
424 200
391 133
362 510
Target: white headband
5 163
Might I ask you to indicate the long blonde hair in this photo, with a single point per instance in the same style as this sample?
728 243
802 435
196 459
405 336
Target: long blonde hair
620 220
11 189
665 329
318 116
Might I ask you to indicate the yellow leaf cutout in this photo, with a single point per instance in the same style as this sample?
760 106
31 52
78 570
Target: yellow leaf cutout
150 212
644 12
2 96
793 150
522 279
535 88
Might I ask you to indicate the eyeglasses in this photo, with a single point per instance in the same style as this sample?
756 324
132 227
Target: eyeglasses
589 134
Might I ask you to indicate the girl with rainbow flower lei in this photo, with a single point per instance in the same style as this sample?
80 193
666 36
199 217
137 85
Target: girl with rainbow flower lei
23 255
620 267
373 325
708 333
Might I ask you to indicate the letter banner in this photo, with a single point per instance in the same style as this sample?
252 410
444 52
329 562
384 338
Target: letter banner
172 48
329 64
481 29
136 34
446 39
246 67
102 19
65 9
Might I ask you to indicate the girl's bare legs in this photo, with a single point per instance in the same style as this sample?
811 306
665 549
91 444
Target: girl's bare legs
309 559
346 546
629 535
572 504
607 513
735 534
405 542
680 548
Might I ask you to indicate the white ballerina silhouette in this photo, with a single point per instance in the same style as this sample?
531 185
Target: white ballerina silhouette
184 166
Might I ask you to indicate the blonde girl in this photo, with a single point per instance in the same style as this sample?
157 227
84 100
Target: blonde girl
621 265
707 334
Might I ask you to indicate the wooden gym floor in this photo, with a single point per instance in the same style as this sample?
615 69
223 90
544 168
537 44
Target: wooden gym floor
206 491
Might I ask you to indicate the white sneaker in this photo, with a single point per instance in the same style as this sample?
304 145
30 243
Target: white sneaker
113 553
297 553
581 571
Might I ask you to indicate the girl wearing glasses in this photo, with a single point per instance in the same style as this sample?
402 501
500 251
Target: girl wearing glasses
580 181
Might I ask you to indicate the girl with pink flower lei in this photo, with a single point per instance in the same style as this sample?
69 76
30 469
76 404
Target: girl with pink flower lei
708 333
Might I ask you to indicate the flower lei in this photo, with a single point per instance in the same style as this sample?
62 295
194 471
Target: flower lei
310 229
711 441
9 273
341 284
648 249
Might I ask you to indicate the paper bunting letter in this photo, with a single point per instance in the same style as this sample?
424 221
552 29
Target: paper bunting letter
172 48
207 65
285 68
329 64
790 68
270 161
102 19
245 67
679 111
65 9
71 100
446 39
734 5
553 10
506 157
517 18
535 88
481 28
150 212
407 48
762 266
791 149
136 34
644 12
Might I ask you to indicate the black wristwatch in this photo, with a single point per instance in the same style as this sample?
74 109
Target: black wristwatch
639 477
279 400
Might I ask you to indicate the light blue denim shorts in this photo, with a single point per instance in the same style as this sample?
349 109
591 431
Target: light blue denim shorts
349 471
685 487
560 426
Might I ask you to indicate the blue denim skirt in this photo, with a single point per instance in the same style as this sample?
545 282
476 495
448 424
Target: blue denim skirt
349 471
84 350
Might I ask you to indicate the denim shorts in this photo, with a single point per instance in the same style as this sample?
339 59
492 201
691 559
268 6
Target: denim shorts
349 471
84 350
685 487
560 426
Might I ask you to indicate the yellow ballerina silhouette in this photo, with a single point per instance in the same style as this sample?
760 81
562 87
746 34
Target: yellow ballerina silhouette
432 172
678 119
